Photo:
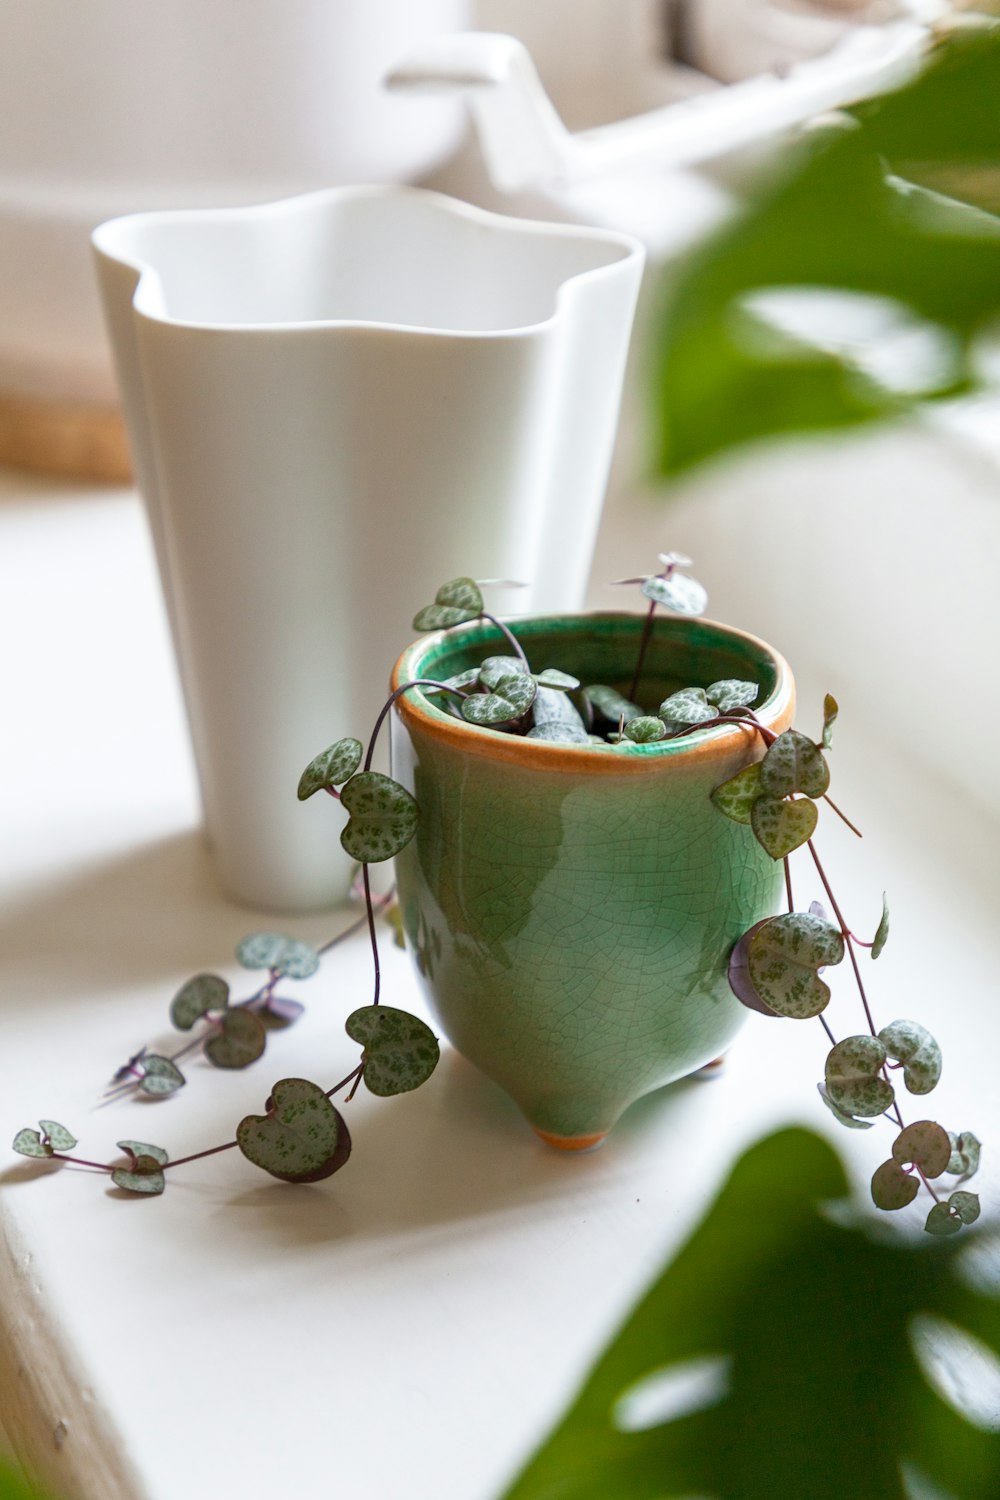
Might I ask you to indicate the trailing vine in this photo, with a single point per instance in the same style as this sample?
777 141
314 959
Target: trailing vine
774 969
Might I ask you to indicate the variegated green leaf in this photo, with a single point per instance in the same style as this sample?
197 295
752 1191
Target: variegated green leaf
966 1205
794 764
240 1041
384 816
680 592
510 698
853 1081
965 1152
838 1114
737 796
645 730
689 706
330 767
893 1188
280 954
143 1175
496 668
732 693
57 1136
401 1052
610 704
943 1219
28 1142
301 1138
926 1144
913 1046
780 827
454 603
783 960
883 929
560 682
830 712
160 1076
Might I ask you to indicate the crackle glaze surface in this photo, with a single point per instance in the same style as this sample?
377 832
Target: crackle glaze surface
571 911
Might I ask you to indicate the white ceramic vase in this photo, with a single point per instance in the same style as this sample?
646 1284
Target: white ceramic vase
335 403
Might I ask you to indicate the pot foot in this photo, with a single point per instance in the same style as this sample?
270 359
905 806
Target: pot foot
572 1142
711 1069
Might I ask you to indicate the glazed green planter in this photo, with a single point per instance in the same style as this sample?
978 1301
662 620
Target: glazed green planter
571 910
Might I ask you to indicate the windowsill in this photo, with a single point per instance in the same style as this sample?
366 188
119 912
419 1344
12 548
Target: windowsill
452 1285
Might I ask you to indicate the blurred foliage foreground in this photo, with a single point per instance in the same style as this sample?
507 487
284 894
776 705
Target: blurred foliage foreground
789 1353
896 204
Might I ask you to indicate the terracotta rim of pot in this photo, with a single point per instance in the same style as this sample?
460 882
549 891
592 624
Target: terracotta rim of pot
418 712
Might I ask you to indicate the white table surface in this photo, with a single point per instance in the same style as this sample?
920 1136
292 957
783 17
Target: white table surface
410 1327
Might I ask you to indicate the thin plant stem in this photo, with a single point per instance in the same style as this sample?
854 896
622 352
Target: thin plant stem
371 931
644 640
508 636
788 884
182 1161
79 1161
842 816
417 682
845 930
826 1027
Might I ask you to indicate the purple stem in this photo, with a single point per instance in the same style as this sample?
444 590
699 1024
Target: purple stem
508 635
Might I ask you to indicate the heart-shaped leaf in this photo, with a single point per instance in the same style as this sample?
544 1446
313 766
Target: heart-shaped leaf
143 1175
965 1151
883 929
160 1076
909 1043
610 704
558 682
966 1205
645 730
401 1052
240 1041
689 706
508 700
51 1137
925 1144
732 693
332 766
853 1080
830 712
454 603
302 1138
462 681
838 1114
680 592
280 1012
196 998
57 1136
779 827
943 1219
29 1143
496 668
784 956
893 1188
555 733
556 717
383 815
737 796
794 764
282 955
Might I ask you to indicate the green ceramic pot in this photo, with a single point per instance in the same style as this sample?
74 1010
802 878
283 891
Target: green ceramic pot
571 910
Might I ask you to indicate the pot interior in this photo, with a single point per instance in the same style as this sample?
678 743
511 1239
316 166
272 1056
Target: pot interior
603 648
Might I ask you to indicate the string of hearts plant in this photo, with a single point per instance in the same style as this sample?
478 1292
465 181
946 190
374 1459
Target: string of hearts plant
774 969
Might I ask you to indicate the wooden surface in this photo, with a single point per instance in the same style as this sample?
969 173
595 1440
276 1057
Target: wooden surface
67 438
411 1327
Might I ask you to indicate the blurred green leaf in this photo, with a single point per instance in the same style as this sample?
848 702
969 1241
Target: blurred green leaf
848 211
202 993
882 932
240 1041
808 1321
912 1044
853 1077
737 796
508 699
160 1076
454 603
280 954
